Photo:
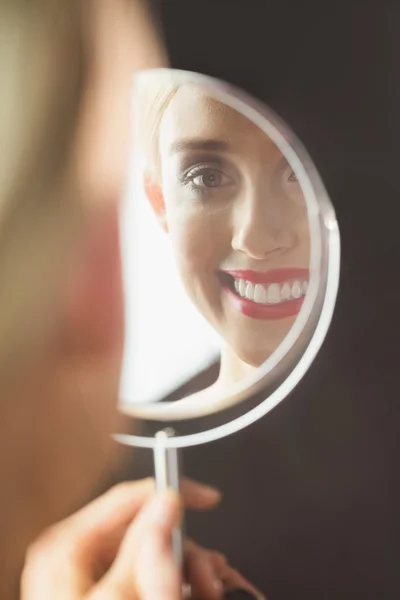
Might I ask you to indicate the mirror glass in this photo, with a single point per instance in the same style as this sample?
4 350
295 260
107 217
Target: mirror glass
230 254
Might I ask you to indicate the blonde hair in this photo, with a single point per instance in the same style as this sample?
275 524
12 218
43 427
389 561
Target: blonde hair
45 76
153 91
42 70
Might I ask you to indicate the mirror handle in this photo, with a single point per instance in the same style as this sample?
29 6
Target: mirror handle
167 469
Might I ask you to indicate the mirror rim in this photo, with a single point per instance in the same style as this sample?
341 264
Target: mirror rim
323 218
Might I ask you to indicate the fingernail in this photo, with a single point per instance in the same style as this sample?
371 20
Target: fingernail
164 509
210 492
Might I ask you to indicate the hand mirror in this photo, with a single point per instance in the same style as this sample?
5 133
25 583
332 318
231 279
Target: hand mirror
231 260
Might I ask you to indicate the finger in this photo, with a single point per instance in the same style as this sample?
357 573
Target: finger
117 507
202 568
198 496
219 560
129 497
109 515
158 574
145 567
233 580
95 533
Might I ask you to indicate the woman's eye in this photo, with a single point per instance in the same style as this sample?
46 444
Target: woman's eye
207 178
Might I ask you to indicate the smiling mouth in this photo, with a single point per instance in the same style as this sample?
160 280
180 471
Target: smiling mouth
274 294
293 287
269 294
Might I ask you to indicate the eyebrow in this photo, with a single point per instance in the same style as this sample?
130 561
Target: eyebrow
198 144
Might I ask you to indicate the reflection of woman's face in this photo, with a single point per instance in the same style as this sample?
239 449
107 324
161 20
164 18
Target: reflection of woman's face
237 220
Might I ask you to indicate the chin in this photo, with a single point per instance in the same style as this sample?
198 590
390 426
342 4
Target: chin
253 358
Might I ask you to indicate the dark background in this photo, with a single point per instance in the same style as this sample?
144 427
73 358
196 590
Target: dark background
311 506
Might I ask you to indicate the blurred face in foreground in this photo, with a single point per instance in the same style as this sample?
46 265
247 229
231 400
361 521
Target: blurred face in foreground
59 404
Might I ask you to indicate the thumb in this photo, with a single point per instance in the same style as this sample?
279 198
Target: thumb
145 568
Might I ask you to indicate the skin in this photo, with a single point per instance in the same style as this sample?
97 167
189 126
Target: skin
119 547
59 406
234 204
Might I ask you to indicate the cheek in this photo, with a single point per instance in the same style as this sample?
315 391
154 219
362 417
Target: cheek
302 231
198 245
95 314
200 238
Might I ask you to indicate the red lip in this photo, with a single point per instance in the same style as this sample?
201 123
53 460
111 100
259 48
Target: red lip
272 276
251 309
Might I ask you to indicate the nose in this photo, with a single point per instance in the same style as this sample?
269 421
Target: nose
263 227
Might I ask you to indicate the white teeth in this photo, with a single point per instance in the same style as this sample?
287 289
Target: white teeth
273 294
296 290
260 294
286 292
249 291
242 287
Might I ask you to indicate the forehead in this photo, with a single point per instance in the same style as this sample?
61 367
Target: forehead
193 115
